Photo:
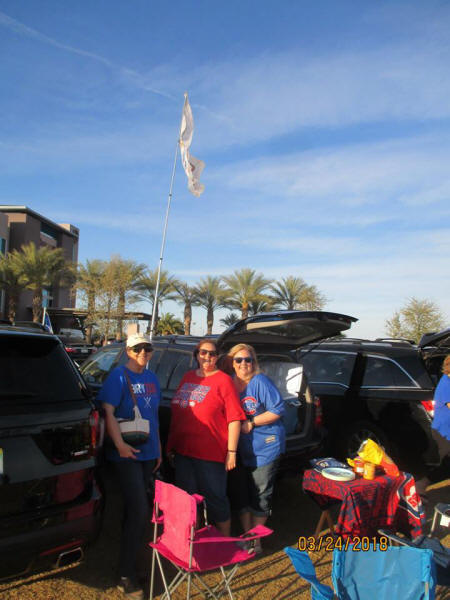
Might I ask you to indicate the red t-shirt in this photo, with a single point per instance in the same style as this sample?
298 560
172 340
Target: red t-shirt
201 410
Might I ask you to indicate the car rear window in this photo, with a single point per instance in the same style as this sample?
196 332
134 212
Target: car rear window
100 364
384 372
35 372
324 366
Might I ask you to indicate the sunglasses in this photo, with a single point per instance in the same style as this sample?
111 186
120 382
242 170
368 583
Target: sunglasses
203 352
246 359
144 347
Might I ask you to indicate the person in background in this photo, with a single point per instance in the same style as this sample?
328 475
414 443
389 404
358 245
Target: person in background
440 429
204 433
261 442
134 466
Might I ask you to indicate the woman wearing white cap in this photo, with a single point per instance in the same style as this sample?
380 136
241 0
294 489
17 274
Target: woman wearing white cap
126 387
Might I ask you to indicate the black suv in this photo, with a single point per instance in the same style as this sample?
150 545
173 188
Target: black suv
381 389
274 337
50 501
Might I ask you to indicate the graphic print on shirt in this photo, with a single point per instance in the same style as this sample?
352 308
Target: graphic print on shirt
146 390
190 394
249 405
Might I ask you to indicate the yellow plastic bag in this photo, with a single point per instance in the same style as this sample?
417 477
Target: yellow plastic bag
370 451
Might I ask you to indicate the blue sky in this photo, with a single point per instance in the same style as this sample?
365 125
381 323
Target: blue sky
325 129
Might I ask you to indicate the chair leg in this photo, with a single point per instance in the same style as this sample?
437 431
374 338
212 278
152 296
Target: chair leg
325 516
188 587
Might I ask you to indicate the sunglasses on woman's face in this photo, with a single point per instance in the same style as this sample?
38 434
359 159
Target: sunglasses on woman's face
203 352
246 359
145 347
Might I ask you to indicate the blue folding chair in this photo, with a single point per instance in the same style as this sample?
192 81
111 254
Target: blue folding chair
398 573
441 554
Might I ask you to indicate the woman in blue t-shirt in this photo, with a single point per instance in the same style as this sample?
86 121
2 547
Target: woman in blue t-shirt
134 465
262 438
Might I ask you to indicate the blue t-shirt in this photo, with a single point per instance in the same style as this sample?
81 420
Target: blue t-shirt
146 389
441 421
266 442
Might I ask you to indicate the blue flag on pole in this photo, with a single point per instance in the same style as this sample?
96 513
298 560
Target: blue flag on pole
46 321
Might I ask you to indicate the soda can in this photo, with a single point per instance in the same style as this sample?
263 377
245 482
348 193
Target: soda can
359 466
369 470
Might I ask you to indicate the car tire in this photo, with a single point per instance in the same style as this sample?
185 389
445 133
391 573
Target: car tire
356 433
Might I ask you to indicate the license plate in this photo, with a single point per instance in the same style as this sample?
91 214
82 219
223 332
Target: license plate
84 350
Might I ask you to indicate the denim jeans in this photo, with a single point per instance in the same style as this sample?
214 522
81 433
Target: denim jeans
251 488
208 478
134 478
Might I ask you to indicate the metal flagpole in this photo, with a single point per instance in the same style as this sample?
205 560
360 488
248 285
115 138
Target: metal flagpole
163 243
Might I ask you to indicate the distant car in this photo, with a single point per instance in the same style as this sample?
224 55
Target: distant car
74 340
381 389
51 503
274 336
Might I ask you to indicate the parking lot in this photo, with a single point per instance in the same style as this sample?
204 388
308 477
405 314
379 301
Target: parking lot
269 576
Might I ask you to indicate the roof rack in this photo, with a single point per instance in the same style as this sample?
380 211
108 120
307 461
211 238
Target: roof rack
397 340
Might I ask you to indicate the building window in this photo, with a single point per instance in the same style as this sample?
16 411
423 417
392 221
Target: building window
2 245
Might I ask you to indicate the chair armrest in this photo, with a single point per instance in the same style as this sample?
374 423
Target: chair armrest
257 532
442 508
393 537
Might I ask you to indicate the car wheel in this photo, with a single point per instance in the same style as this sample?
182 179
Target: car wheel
357 433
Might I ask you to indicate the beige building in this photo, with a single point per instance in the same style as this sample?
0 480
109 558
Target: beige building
20 225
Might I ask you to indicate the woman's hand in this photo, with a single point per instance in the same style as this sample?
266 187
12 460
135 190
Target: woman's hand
126 451
230 461
246 426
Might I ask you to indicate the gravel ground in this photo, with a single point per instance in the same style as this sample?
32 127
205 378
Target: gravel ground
269 576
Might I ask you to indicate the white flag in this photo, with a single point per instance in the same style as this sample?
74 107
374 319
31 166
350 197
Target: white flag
192 166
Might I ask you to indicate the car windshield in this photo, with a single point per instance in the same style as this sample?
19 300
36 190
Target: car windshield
35 373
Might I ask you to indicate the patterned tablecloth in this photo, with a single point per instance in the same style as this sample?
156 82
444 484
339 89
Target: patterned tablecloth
368 505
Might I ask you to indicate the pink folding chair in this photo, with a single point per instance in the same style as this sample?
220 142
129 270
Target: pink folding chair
193 551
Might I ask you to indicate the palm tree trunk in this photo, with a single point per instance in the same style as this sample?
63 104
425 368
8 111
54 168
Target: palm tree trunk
90 315
244 310
209 321
12 307
36 306
121 314
187 318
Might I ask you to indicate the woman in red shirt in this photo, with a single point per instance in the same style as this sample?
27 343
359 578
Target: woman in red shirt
204 431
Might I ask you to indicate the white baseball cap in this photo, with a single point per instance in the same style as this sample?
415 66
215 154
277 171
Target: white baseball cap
137 338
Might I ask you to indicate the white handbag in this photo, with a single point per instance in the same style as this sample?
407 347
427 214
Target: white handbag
135 431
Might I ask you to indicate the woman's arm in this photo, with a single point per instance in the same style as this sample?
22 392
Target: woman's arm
112 427
265 418
234 429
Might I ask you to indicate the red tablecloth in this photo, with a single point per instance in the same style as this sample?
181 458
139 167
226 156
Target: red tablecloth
368 505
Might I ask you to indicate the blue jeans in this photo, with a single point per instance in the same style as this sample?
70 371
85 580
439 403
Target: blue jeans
134 478
205 477
251 488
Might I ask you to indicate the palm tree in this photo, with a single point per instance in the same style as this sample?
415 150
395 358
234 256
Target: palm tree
230 319
89 281
10 281
128 275
146 288
211 295
259 306
245 286
168 324
312 299
292 293
186 295
41 268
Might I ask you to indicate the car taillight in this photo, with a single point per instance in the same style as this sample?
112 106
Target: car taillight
69 349
94 422
429 407
318 414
